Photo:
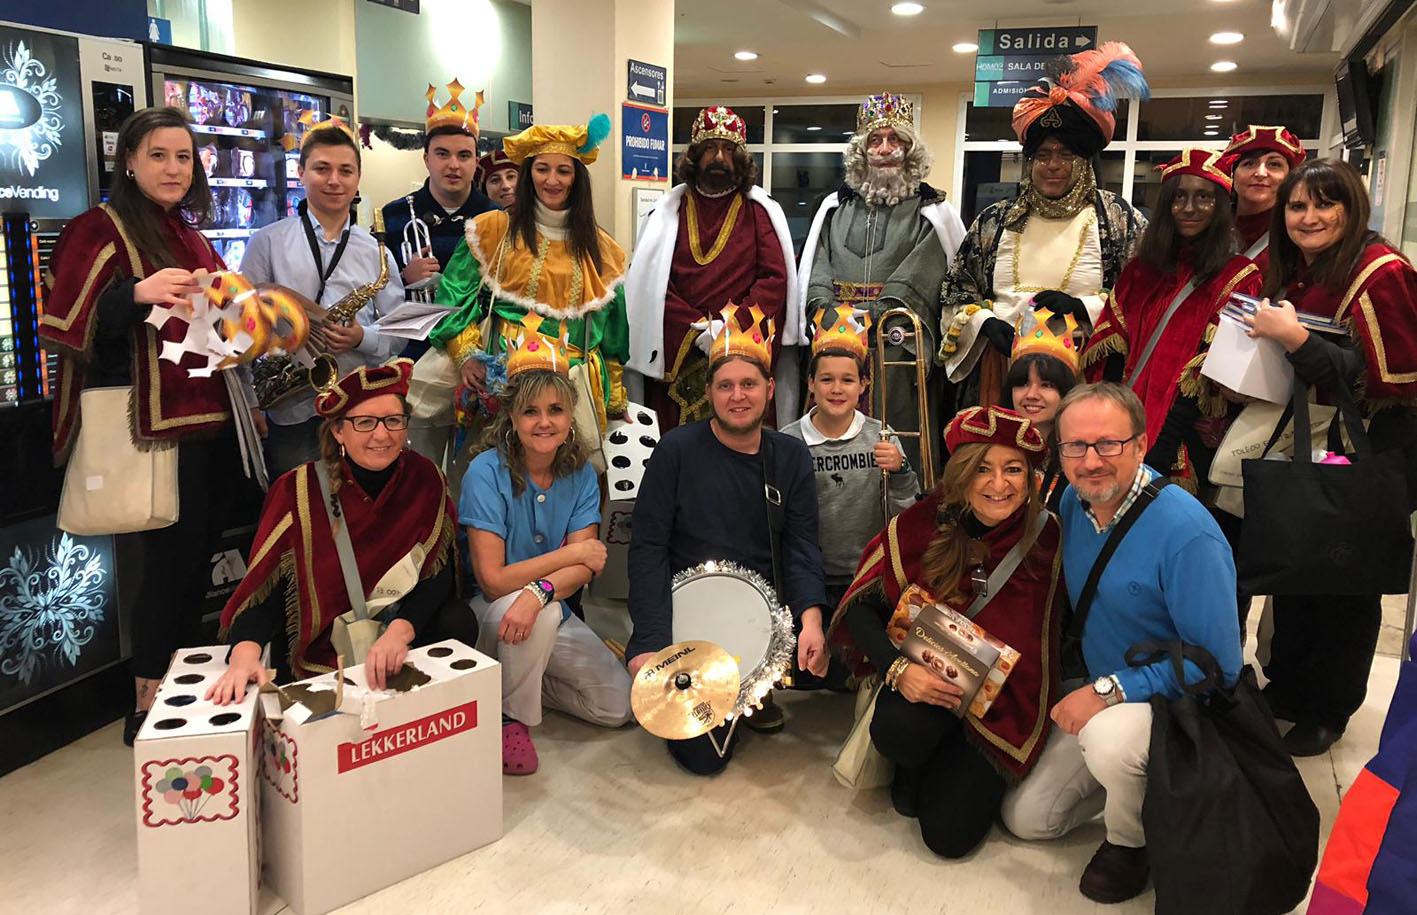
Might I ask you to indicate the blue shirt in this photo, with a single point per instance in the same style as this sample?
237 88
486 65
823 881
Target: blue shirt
1172 577
534 523
280 253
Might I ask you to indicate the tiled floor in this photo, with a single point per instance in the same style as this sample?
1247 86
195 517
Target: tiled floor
611 825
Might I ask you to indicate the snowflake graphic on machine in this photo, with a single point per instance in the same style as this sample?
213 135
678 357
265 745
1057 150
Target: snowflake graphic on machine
31 116
52 601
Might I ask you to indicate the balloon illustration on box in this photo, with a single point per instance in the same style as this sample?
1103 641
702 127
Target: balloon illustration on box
191 790
279 764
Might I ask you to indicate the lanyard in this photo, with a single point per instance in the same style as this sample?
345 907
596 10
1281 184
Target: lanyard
320 271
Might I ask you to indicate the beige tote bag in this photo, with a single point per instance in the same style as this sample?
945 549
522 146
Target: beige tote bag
111 486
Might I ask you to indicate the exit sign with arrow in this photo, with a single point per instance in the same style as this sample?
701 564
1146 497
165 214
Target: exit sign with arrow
1045 41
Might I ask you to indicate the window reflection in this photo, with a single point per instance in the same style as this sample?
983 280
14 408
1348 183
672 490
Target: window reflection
800 181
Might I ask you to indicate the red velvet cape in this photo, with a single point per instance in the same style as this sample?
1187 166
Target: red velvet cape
1026 613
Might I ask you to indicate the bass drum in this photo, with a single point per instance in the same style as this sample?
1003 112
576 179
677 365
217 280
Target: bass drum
736 609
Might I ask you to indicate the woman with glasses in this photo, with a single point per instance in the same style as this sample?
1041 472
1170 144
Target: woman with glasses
955 548
531 506
395 506
1154 327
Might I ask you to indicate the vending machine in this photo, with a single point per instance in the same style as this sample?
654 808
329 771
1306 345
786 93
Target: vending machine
248 120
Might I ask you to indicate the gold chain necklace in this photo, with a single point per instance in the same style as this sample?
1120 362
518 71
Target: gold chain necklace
1077 255
719 243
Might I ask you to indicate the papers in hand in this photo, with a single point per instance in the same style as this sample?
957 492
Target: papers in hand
1241 305
412 320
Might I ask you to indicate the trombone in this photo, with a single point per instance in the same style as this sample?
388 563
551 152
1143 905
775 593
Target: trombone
895 334
416 240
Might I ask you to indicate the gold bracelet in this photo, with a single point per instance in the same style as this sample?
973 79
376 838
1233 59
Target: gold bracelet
894 671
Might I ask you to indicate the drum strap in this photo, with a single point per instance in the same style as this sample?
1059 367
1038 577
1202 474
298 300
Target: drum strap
776 518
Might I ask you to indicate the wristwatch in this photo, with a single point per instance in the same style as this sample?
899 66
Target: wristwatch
547 589
1109 690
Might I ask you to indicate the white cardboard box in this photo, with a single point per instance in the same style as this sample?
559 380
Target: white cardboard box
628 445
349 811
198 805
1256 368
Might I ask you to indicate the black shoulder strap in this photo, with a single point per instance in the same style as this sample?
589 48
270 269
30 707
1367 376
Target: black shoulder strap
1089 588
776 518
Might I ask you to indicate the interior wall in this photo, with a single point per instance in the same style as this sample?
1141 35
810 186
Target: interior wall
310 34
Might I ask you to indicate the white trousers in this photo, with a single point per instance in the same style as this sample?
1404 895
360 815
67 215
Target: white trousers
564 666
1101 769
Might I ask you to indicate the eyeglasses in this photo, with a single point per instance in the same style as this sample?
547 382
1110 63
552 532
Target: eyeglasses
1201 200
1107 447
395 423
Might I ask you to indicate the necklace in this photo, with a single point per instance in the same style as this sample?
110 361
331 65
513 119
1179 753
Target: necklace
703 260
1087 222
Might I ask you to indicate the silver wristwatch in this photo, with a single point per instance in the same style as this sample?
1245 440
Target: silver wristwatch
1109 690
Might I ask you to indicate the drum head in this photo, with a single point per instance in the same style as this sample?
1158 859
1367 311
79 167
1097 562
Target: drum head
728 611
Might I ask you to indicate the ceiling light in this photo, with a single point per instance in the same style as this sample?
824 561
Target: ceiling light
1219 103
821 78
1213 117
814 127
746 55
907 9
964 47
1227 38
1224 66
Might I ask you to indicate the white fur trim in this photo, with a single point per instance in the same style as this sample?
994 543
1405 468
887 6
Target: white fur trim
542 308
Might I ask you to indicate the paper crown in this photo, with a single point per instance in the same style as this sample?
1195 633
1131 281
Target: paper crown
752 340
534 351
1078 100
313 127
838 329
1258 137
1033 335
454 113
885 110
1200 163
363 384
580 141
995 426
718 123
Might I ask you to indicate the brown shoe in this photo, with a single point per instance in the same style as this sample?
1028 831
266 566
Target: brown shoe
1115 873
766 720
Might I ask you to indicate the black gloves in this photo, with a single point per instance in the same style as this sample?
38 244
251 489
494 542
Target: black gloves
1179 421
1060 303
1000 335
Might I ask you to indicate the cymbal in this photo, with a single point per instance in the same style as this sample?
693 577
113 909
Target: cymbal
685 691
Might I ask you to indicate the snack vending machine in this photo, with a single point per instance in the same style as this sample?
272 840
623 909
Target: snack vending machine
248 120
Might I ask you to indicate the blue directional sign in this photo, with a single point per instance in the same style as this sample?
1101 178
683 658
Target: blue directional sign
644 83
644 153
518 116
1045 41
996 67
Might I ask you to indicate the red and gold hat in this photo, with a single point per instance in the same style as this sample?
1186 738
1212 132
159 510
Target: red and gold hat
838 329
494 161
753 339
363 384
718 122
1078 102
995 426
885 110
1201 163
1257 138
454 113
1034 335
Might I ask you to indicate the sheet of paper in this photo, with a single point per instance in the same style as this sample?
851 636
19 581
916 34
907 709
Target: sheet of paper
412 320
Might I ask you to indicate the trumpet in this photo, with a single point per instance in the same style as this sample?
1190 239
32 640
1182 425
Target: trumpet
896 335
416 240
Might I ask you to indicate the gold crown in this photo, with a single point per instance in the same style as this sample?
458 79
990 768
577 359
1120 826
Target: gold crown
1033 335
454 113
332 122
841 331
534 351
885 110
752 340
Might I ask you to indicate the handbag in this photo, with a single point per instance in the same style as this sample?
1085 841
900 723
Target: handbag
1230 826
111 486
1247 435
1316 529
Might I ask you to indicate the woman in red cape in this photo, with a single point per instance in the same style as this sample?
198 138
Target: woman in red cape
952 771
396 507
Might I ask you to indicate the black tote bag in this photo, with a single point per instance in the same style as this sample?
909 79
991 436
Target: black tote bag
1230 827
1314 529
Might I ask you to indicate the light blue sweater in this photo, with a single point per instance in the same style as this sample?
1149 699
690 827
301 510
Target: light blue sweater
1172 577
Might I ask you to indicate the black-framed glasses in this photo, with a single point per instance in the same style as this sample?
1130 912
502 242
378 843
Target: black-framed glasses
1106 447
395 423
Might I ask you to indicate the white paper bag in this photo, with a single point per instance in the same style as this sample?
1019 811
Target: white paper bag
1253 367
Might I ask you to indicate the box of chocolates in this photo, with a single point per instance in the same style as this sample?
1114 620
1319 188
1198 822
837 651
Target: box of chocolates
954 648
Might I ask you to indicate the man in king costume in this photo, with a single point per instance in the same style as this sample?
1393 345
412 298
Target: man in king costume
884 240
715 238
1061 242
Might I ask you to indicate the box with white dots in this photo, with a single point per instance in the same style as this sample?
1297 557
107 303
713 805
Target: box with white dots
628 445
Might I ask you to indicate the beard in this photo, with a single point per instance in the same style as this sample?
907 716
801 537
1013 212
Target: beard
717 178
740 428
887 180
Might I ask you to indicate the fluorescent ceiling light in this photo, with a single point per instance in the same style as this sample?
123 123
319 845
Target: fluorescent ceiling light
1212 117
907 9
964 47
1224 66
746 55
814 127
1219 103
820 78
1227 38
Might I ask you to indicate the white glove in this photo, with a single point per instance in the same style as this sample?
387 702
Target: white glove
708 330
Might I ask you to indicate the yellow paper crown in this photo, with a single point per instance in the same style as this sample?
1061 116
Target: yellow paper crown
752 340
1033 335
331 122
838 329
454 113
534 351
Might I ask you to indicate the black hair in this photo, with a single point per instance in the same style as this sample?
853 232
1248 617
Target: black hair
1326 180
838 352
448 130
133 206
329 136
686 170
1053 371
583 233
1161 242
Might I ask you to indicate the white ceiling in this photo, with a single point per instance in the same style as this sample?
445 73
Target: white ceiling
1170 37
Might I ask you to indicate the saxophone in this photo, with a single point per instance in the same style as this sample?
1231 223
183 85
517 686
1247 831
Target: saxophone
312 368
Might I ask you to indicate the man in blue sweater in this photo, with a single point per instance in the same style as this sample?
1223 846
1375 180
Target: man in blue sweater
1171 578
